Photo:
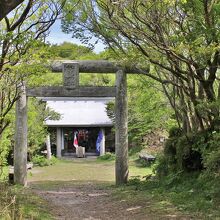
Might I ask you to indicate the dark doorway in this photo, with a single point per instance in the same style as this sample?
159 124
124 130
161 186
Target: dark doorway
86 138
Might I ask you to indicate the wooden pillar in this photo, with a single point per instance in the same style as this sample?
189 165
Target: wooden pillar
48 147
62 139
20 148
102 147
59 142
121 129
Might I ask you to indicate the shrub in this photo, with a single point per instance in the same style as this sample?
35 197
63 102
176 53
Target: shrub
43 161
184 152
134 180
211 156
161 167
175 132
107 156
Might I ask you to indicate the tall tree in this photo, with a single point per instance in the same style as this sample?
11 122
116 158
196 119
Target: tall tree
179 38
21 35
70 51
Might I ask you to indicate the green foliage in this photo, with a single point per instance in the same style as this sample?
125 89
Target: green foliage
148 109
36 128
134 150
134 181
175 132
6 142
37 131
23 53
191 152
19 203
97 79
188 193
110 109
211 156
7 203
36 114
42 161
183 153
162 166
141 162
179 39
70 51
107 156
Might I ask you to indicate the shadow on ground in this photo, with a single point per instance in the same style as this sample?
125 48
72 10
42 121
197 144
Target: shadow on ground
97 200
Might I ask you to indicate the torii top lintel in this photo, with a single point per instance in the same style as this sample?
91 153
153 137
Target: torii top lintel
98 66
71 70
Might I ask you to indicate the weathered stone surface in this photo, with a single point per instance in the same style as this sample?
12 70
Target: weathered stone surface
71 74
98 66
20 149
58 91
121 129
147 157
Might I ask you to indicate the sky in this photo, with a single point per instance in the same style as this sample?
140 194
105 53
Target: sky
56 36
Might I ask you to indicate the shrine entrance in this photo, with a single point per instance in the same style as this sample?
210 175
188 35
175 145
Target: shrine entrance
71 88
86 138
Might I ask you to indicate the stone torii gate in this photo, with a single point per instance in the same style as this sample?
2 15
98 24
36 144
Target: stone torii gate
71 88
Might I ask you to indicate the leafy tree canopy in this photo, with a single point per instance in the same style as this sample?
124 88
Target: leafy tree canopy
180 39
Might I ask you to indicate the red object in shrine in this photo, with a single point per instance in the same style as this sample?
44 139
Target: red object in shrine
75 142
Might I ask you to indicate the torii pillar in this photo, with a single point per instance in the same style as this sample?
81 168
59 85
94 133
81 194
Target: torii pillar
121 128
20 148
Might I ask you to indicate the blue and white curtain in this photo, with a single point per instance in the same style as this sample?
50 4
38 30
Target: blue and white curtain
99 142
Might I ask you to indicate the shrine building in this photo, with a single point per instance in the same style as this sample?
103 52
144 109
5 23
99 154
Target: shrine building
83 118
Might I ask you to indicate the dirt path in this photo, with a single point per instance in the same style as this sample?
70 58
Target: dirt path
88 201
79 190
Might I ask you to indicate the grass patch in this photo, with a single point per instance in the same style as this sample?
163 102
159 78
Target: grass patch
136 170
20 203
84 170
75 170
186 194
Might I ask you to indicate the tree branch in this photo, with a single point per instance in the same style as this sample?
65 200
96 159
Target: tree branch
6 6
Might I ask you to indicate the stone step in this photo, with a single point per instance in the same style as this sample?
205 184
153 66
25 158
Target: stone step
68 154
